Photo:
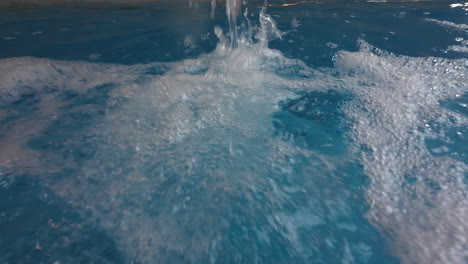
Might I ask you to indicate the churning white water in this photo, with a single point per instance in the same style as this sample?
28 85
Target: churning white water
176 151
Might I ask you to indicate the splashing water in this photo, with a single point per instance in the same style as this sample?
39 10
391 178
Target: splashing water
233 9
213 7
230 157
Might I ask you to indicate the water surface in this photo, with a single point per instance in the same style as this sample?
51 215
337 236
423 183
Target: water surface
328 132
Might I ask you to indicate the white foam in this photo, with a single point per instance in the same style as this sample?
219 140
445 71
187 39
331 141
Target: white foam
448 24
400 95
198 137
464 6
458 48
27 75
179 123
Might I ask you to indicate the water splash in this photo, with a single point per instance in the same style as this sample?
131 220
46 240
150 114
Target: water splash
198 163
213 8
233 8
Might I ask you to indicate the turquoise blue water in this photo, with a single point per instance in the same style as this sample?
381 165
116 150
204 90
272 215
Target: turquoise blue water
334 132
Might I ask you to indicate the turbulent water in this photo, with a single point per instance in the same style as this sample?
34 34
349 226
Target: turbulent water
243 155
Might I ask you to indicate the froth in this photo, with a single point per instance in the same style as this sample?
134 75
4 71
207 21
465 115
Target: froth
449 24
172 163
418 198
191 152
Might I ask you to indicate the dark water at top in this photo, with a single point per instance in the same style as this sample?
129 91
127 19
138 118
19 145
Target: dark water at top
335 132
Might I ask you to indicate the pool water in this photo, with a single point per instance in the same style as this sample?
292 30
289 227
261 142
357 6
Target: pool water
327 132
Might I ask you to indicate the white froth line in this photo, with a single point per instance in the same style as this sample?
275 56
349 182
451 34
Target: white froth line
459 5
457 48
448 24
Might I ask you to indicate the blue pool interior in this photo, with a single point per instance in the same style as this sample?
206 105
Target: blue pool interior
131 134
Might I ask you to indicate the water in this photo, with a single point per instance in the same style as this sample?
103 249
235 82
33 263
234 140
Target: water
150 133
